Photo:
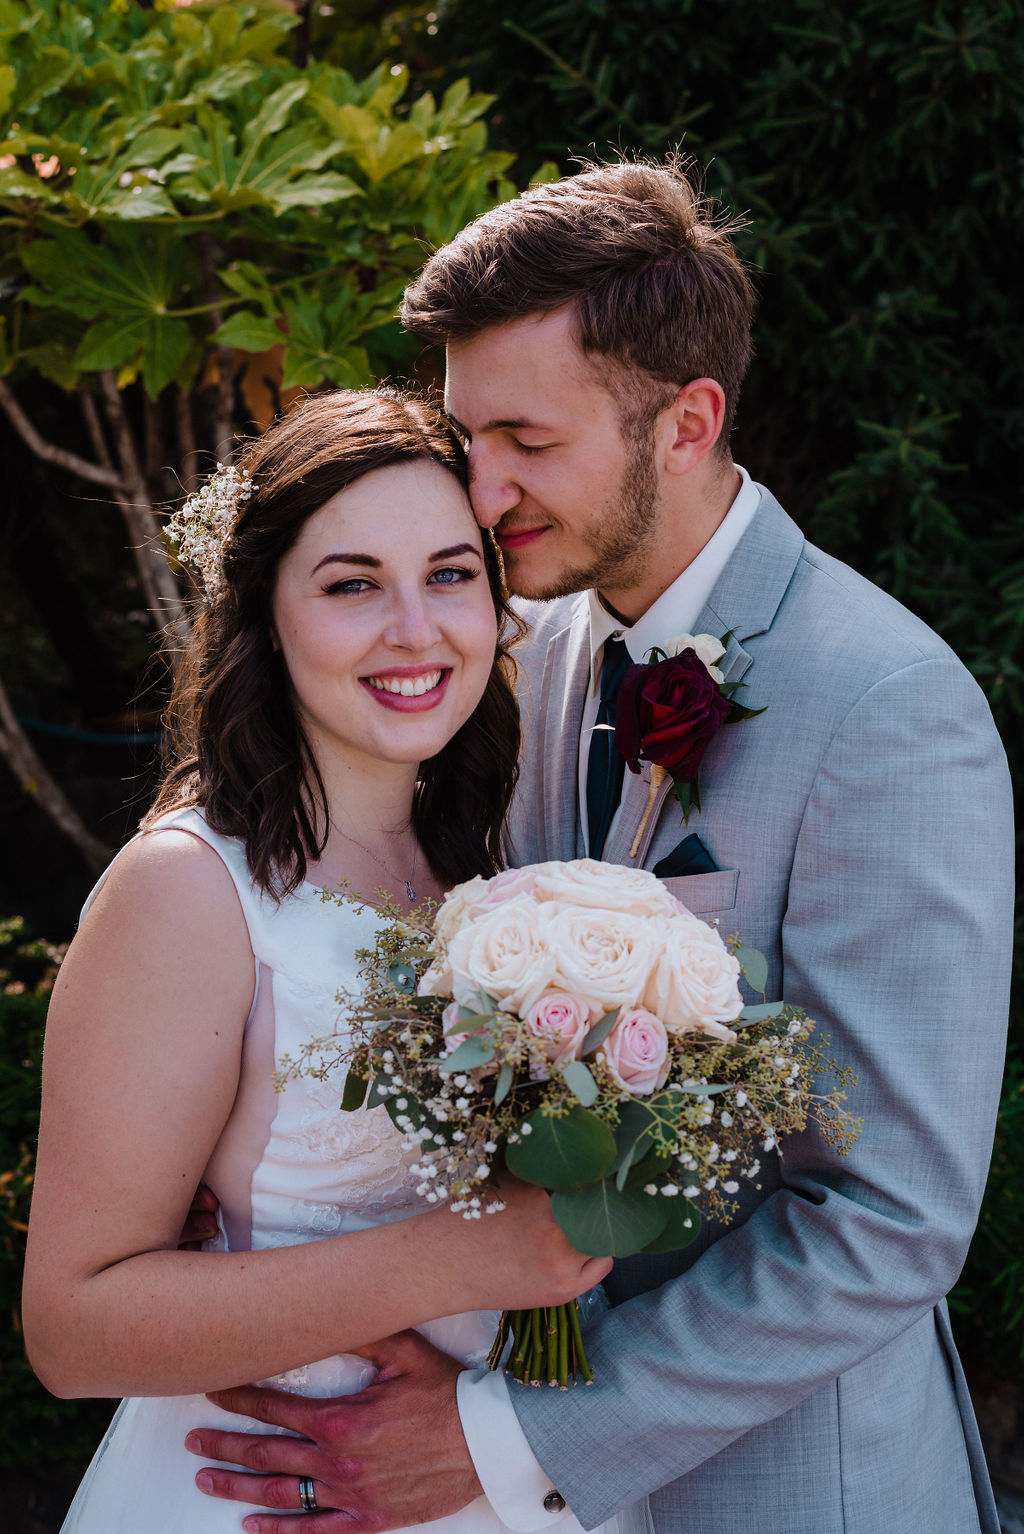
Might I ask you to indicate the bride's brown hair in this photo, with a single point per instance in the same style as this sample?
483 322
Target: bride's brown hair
237 746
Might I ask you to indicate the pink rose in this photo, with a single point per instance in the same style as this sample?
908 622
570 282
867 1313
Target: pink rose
636 1051
449 1017
506 886
560 1023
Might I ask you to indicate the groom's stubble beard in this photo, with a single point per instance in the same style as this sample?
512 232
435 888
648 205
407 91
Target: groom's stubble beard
619 541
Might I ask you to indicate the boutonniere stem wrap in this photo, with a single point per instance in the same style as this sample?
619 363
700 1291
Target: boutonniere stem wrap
670 710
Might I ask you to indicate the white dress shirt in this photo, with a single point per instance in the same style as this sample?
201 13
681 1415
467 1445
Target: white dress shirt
513 1480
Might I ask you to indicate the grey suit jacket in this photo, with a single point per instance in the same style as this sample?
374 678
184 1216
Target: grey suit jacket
795 1371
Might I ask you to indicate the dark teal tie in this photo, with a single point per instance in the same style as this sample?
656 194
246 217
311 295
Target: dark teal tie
606 765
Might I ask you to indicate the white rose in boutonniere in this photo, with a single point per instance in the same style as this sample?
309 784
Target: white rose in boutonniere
706 648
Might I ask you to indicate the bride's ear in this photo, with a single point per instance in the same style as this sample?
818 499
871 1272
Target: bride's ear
275 643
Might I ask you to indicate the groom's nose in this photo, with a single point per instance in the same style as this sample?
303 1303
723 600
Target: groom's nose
492 488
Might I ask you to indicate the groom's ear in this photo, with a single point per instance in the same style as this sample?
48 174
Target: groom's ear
690 426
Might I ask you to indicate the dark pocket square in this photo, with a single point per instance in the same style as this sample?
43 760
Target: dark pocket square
689 857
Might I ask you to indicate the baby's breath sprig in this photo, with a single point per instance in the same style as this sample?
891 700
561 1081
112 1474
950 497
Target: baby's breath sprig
200 527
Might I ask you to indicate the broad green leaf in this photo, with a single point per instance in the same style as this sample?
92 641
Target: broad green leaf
603 1222
8 84
111 343
579 1080
166 344
55 362
755 967
470 1053
250 281
152 146
249 332
677 1233
315 191
562 1151
144 201
274 112
354 1094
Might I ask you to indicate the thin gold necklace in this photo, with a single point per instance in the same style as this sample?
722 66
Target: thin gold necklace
410 892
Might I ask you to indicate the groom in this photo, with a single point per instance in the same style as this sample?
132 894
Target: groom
795 1369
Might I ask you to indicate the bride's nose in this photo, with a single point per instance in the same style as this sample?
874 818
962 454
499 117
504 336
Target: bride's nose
411 625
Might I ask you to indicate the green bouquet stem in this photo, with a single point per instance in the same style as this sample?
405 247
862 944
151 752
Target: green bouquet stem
547 1346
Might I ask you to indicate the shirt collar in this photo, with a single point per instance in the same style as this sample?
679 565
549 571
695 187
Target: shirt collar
679 607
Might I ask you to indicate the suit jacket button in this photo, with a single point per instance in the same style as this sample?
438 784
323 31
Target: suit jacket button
554 1502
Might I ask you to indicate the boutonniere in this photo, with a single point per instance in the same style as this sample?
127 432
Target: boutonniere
670 710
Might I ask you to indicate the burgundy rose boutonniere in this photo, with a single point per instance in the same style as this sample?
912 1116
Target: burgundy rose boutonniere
670 710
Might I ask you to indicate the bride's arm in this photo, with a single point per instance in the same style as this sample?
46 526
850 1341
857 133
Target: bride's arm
140 1069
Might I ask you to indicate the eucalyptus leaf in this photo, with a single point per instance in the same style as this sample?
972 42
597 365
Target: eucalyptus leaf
603 1222
759 1013
676 1233
402 976
562 1151
471 1053
380 1090
579 1080
755 968
600 1031
354 1094
503 1084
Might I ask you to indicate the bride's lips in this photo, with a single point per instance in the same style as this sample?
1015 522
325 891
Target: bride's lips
382 687
513 538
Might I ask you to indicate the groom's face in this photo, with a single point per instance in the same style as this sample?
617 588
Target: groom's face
571 503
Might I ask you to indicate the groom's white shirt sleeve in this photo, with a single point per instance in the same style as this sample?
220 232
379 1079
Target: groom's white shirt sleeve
513 1480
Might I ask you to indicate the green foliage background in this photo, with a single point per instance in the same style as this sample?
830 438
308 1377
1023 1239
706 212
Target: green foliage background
227 192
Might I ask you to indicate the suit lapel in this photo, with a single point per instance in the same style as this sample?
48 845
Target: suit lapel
743 604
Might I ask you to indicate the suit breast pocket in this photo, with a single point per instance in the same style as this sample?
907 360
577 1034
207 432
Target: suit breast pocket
706 894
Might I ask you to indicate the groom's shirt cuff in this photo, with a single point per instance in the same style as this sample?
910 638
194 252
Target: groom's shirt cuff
514 1483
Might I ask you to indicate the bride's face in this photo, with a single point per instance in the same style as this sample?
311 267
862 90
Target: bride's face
384 616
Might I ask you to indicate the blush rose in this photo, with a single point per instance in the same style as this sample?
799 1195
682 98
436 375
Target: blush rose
636 1051
559 1022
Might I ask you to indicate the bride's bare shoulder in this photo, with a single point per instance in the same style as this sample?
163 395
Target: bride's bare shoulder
172 882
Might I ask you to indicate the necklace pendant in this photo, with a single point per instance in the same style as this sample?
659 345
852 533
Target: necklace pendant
409 889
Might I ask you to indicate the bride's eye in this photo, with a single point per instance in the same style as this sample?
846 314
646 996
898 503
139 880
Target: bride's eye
452 575
352 586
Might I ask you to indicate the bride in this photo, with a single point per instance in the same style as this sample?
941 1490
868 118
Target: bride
345 716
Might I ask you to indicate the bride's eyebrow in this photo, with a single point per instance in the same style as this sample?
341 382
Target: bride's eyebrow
455 550
347 559
371 562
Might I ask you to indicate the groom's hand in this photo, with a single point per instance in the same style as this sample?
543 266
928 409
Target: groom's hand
391 1456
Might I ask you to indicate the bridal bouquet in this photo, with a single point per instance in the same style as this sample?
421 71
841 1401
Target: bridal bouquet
574 1024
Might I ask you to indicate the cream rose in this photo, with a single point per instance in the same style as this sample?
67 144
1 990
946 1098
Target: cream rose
503 953
636 1051
458 906
694 986
705 646
559 1022
508 885
603 957
606 886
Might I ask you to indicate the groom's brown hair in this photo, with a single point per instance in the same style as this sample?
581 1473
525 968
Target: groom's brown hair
660 295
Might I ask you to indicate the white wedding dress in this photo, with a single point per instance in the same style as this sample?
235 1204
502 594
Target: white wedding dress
289 1167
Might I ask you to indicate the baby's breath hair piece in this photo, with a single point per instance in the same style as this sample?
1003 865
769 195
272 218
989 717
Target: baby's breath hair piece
199 528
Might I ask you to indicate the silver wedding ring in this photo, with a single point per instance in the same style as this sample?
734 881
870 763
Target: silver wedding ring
307 1496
